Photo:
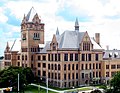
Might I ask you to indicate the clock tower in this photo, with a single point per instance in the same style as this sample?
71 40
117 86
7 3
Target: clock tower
32 34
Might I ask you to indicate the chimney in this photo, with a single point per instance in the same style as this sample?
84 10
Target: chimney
97 38
107 47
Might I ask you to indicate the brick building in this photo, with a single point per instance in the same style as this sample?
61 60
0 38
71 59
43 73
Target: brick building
69 59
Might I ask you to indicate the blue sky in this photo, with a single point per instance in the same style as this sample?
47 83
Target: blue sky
95 16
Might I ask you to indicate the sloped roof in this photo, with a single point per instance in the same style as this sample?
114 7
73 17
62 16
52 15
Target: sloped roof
70 39
15 45
31 14
95 45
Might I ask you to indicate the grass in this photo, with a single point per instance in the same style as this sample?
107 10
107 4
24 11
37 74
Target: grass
33 89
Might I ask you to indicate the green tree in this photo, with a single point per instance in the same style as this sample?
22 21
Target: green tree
115 83
9 77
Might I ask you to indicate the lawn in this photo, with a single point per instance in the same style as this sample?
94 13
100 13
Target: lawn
33 89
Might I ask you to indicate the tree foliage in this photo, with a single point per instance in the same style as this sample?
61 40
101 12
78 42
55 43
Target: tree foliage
9 77
115 83
96 91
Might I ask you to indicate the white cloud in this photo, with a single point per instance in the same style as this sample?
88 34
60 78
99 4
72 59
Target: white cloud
49 10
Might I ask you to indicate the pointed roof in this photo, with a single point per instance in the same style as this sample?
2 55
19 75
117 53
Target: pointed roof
57 31
31 14
54 38
76 22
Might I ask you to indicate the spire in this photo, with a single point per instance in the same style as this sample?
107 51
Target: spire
31 14
76 25
7 47
57 31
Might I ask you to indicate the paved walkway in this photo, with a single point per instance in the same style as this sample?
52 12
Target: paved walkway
65 91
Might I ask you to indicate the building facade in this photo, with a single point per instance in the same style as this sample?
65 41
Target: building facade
70 59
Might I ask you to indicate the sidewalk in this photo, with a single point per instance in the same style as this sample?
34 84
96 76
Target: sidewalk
48 88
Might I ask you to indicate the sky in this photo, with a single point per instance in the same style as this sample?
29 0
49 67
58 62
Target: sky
95 16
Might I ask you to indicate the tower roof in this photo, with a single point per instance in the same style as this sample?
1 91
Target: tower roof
76 22
57 31
31 14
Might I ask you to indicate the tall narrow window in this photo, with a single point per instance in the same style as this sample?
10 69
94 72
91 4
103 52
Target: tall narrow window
83 57
76 57
58 57
68 66
55 57
89 57
76 66
82 66
64 66
96 57
65 57
71 57
48 57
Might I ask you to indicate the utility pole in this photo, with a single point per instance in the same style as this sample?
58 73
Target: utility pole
18 82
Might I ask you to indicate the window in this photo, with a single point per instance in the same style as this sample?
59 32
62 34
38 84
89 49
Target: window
69 76
64 66
48 57
96 57
76 57
99 66
93 66
52 66
55 75
89 57
72 75
55 67
71 57
86 46
118 66
38 57
44 65
52 76
65 57
25 57
38 64
59 76
64 76
18 57
72 66
44 58
82 75
58 57
68 66
86 66
82 66
32 58
48 66
22 57
18 63
96 66
83 57
58 66
55 57
36 36
90 75
107 66
76 75
89 66
52 57
44 73
99 74
76 66
48 74
113 66
39 72
96 74
107 74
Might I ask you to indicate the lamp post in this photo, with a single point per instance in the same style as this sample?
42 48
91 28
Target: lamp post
18 82
47 84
